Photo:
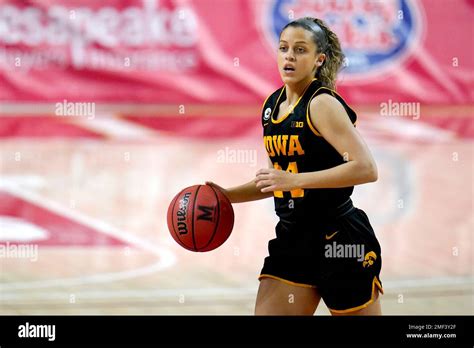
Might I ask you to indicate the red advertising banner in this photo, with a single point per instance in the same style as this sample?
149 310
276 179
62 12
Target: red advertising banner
224 52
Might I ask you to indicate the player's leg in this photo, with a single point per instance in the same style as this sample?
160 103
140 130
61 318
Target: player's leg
277 297
372 309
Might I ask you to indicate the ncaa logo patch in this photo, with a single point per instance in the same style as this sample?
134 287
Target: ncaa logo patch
267 113
375 35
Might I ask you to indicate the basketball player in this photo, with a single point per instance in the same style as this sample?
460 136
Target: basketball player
317 156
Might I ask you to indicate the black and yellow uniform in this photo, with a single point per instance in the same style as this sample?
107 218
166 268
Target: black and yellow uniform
322 240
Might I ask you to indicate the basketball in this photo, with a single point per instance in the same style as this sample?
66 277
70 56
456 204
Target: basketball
200 218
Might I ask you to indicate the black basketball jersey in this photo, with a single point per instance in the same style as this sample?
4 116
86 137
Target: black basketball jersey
293 144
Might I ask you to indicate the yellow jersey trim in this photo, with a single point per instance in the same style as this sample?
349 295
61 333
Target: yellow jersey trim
285 281
291 110
308 118
278 99
263 105
372 299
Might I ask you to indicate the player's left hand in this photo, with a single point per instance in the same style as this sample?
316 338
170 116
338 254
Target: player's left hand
269 179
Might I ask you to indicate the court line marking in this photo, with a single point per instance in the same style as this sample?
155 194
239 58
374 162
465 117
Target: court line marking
232 292
169 260
74 281
166 257
426 282
154 294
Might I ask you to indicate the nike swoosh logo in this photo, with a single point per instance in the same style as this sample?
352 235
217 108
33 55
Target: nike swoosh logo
265 124
332 235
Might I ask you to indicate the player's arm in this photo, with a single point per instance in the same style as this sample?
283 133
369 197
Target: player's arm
244 193
330 119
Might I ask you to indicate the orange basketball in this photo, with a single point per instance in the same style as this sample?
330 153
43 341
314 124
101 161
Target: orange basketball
200 218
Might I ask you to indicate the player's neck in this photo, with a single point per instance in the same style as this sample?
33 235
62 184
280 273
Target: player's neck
295 91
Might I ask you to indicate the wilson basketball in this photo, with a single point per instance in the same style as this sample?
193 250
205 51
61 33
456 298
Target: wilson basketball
200 218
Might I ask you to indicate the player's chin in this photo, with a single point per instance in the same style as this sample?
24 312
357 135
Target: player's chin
289 79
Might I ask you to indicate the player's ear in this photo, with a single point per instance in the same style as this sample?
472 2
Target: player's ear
320 58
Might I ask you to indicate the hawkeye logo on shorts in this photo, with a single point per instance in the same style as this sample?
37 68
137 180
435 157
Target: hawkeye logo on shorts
376 35
369 259
267 113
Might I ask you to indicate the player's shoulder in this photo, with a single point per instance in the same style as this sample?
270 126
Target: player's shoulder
327 99
324 102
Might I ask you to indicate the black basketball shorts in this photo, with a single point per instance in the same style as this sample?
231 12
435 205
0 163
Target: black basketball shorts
340 257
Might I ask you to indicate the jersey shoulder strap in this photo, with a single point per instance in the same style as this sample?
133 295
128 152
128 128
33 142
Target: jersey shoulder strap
321 90
325 90
269 104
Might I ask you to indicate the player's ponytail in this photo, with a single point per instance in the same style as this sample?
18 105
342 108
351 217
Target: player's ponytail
327 73
328 43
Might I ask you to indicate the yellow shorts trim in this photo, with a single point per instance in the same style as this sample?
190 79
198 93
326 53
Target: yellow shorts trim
372 299
285 281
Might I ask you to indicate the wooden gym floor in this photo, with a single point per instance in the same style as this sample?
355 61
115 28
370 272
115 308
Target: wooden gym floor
92 194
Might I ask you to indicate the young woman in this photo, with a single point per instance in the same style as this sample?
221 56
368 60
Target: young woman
324 246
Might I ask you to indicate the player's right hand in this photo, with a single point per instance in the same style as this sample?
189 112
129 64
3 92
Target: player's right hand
223 190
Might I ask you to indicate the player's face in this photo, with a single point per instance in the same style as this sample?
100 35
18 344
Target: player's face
297 56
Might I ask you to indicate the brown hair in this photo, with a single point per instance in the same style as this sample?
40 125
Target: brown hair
326 42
